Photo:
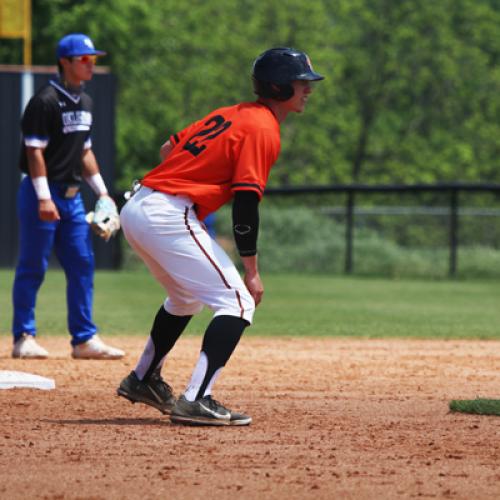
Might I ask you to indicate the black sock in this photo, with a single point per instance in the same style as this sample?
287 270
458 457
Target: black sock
220 340
165 332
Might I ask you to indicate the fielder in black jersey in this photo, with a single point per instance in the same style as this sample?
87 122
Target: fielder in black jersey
65 117
56 155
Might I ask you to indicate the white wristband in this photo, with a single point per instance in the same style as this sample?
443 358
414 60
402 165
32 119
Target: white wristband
96 182
41 186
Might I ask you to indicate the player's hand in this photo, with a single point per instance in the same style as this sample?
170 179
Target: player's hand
47 211
255 287
104 220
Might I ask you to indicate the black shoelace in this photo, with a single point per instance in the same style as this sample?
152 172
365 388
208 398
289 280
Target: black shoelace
214 404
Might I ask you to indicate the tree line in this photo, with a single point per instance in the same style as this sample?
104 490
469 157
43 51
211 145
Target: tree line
412 89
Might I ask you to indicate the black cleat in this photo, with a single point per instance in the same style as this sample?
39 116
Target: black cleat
155 392
205 411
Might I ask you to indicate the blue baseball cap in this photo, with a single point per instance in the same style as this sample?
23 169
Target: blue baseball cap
76 44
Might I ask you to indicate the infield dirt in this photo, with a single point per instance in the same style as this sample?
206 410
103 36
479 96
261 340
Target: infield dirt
332 418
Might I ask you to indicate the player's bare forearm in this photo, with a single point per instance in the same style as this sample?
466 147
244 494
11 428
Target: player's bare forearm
47 210
165 150
250 264
91 173
252 278
36 162
89 163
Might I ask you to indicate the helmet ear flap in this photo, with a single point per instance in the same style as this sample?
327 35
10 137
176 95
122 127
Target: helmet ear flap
268 90
285 91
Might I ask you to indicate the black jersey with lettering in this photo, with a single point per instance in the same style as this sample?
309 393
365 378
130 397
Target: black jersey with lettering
59 122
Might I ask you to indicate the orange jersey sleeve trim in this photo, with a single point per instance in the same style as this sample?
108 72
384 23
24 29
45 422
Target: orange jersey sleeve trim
246 186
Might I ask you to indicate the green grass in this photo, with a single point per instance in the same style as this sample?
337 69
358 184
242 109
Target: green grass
126 302
476 406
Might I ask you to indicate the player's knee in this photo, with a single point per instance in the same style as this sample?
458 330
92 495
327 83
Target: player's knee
82 265
242 306
182 309
245 306
250 305
32 273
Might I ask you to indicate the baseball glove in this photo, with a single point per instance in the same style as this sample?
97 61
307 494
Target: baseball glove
104 220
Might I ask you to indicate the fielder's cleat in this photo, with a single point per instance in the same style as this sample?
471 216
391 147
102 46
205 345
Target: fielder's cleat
205 411
27 347
95 348
155 392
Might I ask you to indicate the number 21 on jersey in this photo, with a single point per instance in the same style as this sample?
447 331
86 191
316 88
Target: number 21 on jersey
213 127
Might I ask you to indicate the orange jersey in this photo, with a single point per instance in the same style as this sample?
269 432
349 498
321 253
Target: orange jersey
231 149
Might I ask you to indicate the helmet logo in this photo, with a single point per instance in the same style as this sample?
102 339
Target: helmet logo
309 62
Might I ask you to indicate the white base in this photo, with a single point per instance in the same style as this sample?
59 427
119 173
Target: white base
12 379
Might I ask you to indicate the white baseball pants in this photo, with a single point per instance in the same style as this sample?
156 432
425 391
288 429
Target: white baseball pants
194 270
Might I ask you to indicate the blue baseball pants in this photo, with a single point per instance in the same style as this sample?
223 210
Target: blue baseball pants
71 239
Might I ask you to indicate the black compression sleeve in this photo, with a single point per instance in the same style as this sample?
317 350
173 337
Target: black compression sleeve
246 222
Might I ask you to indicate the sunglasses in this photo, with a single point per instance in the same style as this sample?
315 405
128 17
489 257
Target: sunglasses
85 59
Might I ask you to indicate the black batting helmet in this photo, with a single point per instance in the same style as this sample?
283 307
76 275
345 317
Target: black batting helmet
275 69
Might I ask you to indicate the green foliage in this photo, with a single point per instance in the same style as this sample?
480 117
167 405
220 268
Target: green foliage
300 239
479 262
479 406
293 239
411 95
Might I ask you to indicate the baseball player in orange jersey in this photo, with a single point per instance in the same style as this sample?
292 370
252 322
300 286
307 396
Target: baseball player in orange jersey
226 155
